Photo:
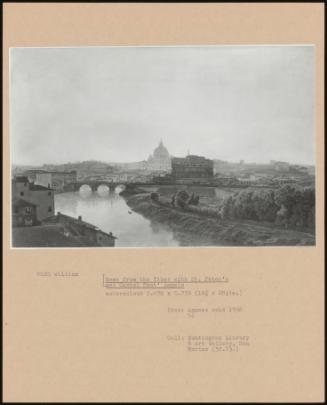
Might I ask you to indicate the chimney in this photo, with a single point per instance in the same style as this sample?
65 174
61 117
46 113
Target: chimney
79 218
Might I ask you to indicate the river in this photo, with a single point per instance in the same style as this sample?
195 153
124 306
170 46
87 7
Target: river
109 211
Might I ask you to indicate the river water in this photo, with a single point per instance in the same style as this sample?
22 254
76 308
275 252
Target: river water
109 211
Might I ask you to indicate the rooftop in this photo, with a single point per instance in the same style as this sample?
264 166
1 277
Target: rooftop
43 236
38 187
20 179
32 186
30 171
77 221
20 202
194 158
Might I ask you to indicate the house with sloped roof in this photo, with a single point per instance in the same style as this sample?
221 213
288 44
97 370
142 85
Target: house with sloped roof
23 213
42 197
52 235
82 231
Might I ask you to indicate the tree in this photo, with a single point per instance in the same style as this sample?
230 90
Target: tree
290 206
154 196
181 198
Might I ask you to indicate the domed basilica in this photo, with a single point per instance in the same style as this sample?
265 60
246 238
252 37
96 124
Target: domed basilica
160 159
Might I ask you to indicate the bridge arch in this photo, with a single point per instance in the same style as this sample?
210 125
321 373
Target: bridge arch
119 188
88 186
103 190
85 190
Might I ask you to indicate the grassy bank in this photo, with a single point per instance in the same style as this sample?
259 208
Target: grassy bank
194 228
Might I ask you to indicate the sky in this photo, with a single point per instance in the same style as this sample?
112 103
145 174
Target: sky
114 104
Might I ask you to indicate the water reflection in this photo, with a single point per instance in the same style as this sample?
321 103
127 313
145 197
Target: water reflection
111 214
108 210
103 190
85 191
119 189
65 203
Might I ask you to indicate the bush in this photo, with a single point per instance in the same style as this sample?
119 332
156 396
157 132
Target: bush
289 206
181 198
154 197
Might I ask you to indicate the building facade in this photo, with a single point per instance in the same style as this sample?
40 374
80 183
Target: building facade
42 197
56 180
192 167
32 173
23 213
160 159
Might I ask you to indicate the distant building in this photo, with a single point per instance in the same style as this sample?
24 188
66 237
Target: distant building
23 213
83 231
248 179
83 169
280 166
221 166
32 173
126 176
226 181
132 166
283 180
42 197
192 167
160 159
56 180
301 170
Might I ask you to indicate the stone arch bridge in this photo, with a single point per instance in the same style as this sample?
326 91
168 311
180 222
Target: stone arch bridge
94 185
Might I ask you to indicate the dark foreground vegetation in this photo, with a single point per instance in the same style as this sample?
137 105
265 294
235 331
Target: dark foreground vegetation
289 206
283 217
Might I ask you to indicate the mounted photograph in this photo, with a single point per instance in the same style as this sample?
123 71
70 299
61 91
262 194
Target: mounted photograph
162 146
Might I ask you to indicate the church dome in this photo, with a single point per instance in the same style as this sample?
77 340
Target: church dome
161 152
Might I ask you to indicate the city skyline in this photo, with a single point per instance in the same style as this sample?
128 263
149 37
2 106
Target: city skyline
113 104
171 155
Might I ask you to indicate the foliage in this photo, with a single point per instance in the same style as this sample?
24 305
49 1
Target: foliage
194 199
288 206
181 198
154 196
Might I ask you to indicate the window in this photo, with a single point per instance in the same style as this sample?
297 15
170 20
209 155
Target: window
22 193
49 193
49 209
16 210
28 210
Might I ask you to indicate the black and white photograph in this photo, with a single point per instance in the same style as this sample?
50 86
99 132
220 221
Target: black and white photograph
162 146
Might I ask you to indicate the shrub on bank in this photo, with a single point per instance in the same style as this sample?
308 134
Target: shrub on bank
181 198
289 206
154 197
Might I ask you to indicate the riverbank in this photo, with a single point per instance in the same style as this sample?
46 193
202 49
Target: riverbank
196 229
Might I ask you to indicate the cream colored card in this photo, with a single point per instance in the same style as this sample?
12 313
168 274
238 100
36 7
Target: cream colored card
168 313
